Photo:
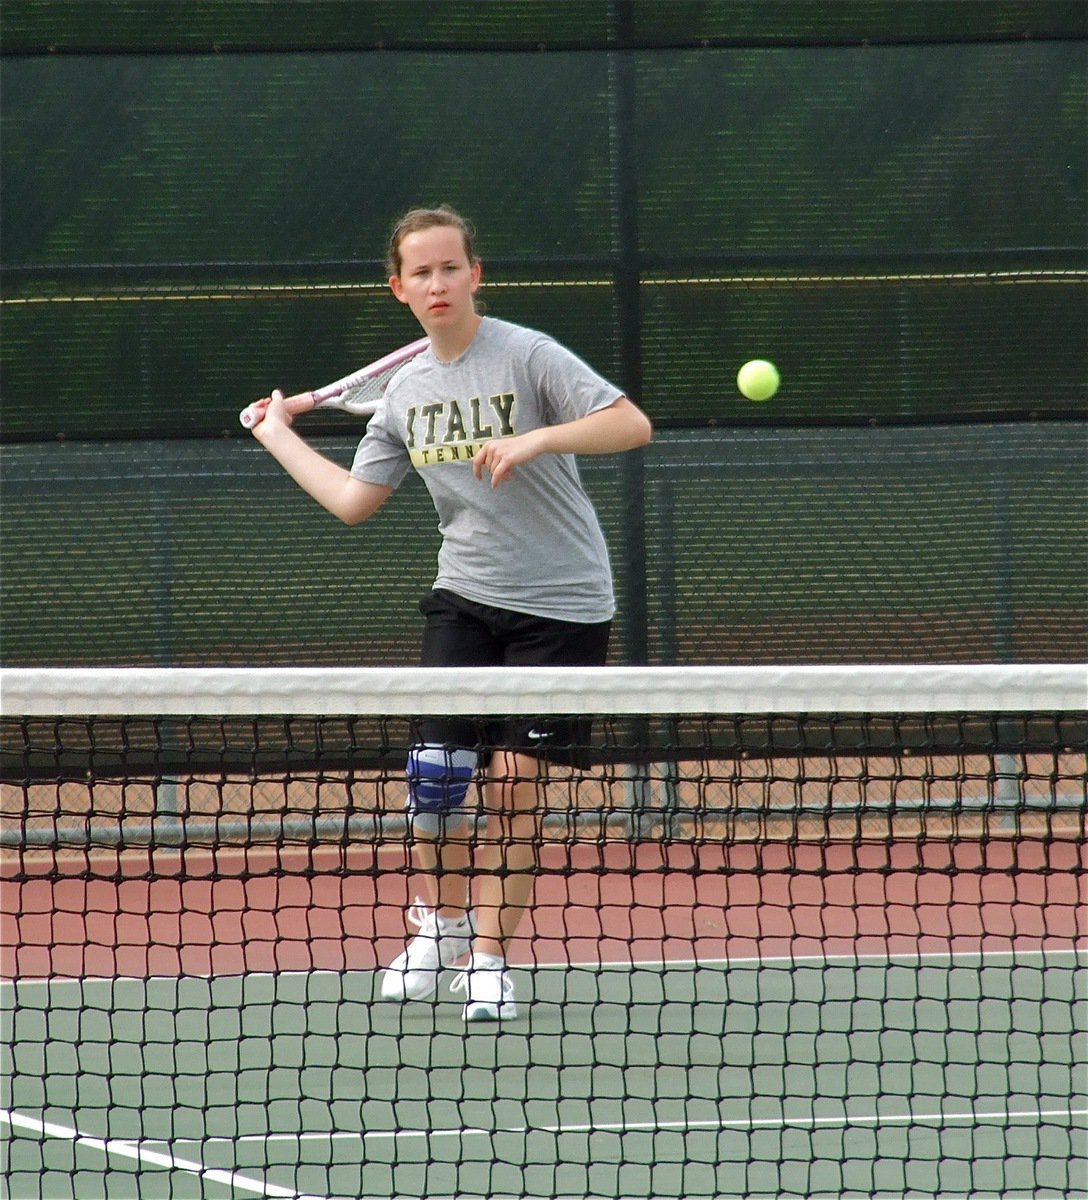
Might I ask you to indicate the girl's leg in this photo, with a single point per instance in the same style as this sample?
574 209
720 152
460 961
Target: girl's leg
446 865
508 856
444 925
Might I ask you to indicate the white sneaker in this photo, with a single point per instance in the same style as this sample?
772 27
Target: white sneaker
488 989
413 975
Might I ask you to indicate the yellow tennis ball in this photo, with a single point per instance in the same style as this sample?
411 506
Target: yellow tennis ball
758 379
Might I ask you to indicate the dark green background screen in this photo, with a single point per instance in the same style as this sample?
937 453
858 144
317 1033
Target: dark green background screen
888 201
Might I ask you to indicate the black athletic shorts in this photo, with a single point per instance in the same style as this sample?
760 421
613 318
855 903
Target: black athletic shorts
462 633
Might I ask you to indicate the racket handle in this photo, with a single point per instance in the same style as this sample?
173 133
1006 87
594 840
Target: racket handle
251 415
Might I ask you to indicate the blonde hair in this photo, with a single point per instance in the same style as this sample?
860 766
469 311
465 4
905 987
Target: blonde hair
418 219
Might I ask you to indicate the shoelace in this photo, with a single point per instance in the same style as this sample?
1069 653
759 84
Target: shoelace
423 918
459 983
426 919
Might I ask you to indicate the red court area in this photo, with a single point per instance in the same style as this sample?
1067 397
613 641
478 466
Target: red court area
201 913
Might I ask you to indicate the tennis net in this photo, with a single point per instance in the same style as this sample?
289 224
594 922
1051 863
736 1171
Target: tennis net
795 930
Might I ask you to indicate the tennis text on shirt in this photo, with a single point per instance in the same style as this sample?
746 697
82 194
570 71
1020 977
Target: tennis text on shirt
454 431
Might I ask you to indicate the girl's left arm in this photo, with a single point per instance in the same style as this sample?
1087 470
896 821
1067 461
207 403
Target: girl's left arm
620 426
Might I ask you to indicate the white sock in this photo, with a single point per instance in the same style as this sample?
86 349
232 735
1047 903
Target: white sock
488 962
447 923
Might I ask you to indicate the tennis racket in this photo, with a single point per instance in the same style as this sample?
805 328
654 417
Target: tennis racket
357 393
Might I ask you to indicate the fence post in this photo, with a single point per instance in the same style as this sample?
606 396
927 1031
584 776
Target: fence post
627 274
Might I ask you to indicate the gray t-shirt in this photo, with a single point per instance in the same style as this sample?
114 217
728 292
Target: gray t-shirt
533 544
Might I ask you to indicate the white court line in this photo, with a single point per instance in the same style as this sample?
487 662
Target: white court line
897 958
749 1124
140 1152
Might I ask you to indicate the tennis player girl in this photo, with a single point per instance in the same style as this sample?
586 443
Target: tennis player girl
491 416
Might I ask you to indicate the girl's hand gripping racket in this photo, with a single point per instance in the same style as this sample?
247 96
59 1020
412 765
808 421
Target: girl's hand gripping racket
357 393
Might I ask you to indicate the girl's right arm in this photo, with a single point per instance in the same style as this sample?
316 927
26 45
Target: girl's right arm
334 488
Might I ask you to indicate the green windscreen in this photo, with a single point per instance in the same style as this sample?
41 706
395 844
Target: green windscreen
890 207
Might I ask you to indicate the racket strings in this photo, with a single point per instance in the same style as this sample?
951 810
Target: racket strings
363 396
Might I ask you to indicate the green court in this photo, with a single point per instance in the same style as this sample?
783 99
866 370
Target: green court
942 1075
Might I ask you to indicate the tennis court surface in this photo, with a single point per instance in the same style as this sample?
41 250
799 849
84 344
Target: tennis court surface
797 931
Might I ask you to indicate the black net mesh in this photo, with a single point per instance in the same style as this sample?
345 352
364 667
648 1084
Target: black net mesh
765 952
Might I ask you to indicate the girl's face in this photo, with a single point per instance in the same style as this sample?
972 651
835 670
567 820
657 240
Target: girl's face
436 279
